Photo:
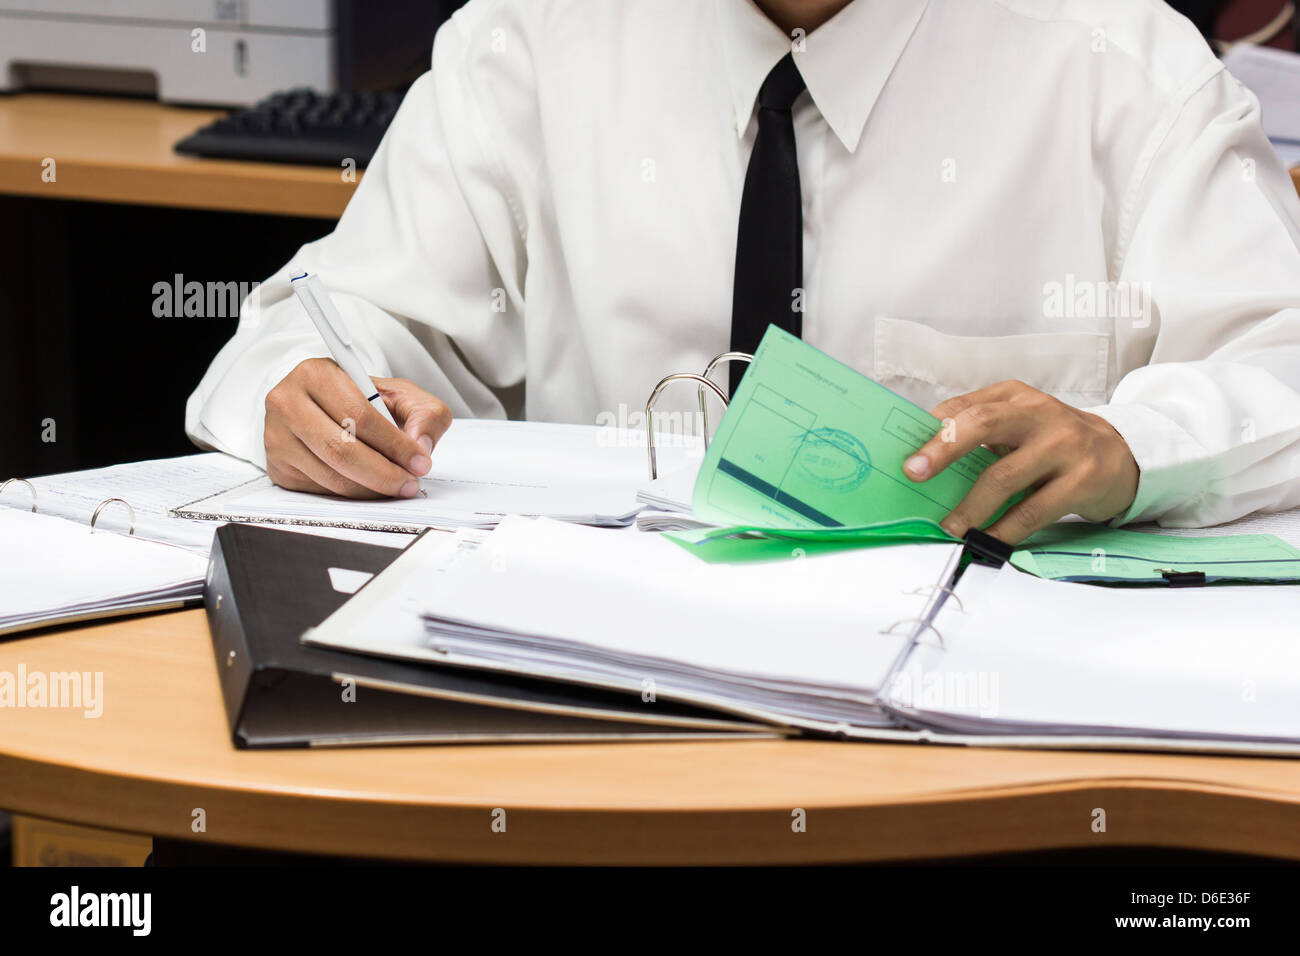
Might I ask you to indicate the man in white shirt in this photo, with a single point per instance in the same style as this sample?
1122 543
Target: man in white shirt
1057 222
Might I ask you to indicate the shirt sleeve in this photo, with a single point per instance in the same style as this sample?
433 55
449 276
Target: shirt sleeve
426 266
1211 407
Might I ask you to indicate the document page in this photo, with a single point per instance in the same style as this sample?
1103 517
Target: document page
1059 658
482 471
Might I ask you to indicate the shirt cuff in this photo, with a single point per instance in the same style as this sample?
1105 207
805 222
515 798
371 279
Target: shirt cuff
1173 467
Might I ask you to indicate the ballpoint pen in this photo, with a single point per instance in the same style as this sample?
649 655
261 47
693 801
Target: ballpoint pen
315 298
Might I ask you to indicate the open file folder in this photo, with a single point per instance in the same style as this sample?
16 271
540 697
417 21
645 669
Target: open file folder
854 643
55 570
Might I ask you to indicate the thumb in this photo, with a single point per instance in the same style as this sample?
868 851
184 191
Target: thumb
424 417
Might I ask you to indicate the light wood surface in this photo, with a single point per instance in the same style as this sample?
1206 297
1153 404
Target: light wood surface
161 750
120 150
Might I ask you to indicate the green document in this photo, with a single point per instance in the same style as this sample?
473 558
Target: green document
1075 551
742 543
808 442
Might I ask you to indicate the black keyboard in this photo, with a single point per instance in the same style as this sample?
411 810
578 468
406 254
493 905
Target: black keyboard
300 126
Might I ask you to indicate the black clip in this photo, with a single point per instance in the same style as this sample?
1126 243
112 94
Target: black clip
1182 579
982 548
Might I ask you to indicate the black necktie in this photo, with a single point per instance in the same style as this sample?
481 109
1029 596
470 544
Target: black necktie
769 247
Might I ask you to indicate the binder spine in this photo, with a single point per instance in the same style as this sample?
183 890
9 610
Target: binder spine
229 642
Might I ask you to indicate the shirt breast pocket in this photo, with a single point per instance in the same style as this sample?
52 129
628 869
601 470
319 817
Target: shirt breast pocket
927 366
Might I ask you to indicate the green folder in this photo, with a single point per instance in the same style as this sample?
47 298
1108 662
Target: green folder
1078 551
809 458
751 543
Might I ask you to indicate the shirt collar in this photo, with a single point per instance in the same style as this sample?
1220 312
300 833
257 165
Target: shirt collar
842 81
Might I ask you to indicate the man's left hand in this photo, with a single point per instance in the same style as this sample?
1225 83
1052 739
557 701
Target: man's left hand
1072 462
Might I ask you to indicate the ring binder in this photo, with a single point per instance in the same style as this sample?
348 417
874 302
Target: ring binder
940 587
654 397
104 504
30 487
917 620
726 357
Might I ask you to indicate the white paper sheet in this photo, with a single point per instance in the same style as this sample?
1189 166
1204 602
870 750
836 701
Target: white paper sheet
1053 657
482 471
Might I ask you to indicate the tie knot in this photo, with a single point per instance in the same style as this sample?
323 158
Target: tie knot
782 86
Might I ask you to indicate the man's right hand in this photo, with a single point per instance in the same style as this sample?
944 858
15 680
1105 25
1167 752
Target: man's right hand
323 436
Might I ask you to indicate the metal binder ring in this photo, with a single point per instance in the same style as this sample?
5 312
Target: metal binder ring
916 620
654 397
939 587
30 487
727 357
105 503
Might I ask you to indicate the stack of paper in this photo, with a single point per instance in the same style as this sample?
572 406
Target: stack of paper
57 571
667 500
482 471
804 642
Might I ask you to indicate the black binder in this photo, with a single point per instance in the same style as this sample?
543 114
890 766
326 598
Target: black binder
265 587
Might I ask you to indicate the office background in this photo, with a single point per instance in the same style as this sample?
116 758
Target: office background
81 344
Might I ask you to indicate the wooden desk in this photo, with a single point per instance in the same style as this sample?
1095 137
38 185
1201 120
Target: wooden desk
120 150
161 749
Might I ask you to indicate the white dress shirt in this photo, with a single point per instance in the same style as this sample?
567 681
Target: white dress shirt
1073 193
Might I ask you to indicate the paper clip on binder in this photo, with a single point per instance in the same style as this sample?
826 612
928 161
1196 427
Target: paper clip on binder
702 381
